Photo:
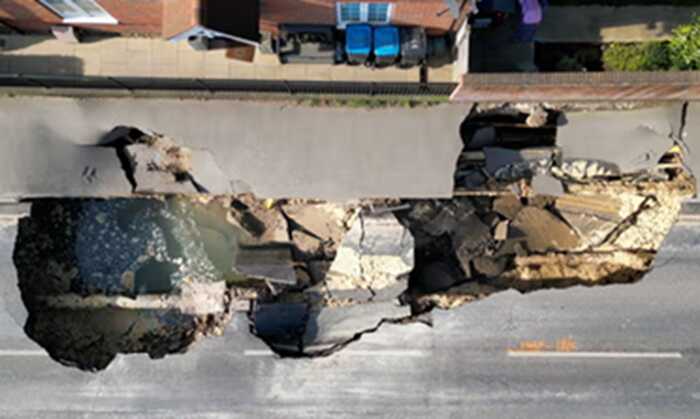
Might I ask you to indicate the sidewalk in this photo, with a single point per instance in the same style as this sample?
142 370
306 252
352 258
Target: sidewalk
612 24
146 57
276 150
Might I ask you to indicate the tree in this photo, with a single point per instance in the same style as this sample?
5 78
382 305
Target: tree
684 46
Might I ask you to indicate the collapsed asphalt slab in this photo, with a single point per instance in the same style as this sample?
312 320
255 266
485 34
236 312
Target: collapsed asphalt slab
631 140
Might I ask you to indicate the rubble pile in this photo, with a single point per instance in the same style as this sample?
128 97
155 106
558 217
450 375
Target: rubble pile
153 272
540 218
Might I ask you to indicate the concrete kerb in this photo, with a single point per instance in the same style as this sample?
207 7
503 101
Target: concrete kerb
307 98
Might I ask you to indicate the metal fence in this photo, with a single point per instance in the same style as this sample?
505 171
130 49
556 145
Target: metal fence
291 87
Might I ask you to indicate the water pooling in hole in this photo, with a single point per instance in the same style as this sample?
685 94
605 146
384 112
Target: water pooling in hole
101 277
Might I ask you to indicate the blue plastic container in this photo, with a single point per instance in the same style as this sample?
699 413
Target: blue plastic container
358 43
387 44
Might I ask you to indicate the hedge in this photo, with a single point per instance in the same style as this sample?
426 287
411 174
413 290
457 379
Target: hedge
682 52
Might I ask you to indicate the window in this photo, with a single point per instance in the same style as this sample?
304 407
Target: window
378 12
375 13
79 11
350 12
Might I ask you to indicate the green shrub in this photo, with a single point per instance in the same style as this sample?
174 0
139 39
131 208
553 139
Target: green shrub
648 56
684 47
568 63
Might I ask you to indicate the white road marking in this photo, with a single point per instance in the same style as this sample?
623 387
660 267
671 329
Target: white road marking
689 219
410 353
20 352
610 355
258 352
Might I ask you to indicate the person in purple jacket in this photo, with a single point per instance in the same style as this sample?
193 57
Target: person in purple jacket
531 11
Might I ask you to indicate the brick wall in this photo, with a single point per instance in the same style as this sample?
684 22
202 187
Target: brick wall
134 16
431 14
570 87
145 16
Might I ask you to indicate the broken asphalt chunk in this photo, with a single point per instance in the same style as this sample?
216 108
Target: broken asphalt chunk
331 328
271 262
448 217
600 206
153 163
501 230
545 184
153 172
375 253
508 206
500 158
266 223
317 228
544 232
490 266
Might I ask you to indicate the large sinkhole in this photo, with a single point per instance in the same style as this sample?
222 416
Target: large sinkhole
152 273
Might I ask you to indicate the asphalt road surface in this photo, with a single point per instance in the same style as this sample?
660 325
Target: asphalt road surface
621 351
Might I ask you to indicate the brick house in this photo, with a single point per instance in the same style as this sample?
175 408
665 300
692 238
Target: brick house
240 20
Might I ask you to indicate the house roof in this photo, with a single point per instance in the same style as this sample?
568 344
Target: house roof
239 18
434 15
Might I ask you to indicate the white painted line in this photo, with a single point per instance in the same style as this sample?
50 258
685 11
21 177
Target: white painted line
409 353
258 352
609 355
19 352
689 219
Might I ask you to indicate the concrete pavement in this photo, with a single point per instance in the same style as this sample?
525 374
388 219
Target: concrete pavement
149 57
459 368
